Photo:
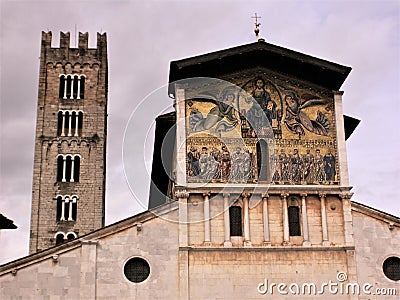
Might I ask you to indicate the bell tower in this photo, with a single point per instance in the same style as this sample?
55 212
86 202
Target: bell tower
68 193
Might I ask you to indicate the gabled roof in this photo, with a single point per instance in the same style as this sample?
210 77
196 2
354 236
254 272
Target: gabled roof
261 54
375 213
97 234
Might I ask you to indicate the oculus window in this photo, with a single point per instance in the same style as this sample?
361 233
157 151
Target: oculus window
136 269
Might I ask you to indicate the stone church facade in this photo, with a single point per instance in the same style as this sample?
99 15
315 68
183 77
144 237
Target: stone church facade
252 203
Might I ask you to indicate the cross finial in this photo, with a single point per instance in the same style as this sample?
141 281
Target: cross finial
256 29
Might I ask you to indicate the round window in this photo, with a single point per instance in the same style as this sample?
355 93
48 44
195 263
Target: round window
137 269
391 268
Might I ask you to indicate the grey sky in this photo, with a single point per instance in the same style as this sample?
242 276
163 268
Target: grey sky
144 36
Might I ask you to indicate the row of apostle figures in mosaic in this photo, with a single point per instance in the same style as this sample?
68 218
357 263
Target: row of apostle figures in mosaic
266 110
214 165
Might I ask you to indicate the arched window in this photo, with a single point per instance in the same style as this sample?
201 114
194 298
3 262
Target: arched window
71 236
62 86
60 168
67 208
235 220
60 237
60 124
294 221
82 87
68 168
70 123
72 86
262 161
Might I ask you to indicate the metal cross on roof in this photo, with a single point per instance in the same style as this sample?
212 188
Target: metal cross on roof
256 29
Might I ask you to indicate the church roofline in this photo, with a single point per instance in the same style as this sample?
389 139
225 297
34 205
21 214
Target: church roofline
99 233
375 213
261 54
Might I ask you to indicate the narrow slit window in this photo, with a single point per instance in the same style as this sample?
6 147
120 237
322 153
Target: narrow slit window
294 221
235 220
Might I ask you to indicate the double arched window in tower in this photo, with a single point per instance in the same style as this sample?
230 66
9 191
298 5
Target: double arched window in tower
70 123
67 207
72 86
62 237
68 167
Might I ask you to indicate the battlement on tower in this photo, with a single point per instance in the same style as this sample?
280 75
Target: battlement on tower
65 51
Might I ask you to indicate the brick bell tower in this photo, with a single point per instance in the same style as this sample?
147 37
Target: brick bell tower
68 193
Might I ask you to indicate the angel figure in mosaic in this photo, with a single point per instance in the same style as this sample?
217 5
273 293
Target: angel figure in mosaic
222 115
296 119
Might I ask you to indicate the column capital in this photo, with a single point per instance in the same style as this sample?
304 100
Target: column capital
226 195
345 195
206 194
303 195
265 196
181 194
322 195
246 195
284 195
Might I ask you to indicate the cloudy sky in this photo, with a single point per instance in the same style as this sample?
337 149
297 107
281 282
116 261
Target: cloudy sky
144 36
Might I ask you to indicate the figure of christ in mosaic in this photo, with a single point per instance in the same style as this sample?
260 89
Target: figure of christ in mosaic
263 110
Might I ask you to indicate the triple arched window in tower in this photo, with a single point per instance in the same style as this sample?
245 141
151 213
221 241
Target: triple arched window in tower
72 86
68 167
67 207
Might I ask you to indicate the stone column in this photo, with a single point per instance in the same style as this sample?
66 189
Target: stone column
72 168
325 239
70 210
285 218
78 94
267 238
62 218
72 87
304 219
227 242
207 227
63 124
64 168
76 123
65 87
246 220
